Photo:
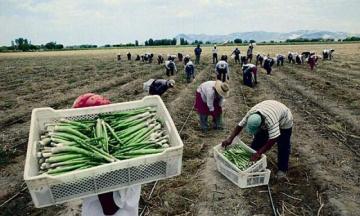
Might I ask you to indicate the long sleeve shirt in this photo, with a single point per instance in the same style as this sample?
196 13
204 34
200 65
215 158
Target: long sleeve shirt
159 87
190 68
170 64
207 91
197 51
276 115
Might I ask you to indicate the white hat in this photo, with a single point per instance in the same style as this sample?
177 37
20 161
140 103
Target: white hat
172 82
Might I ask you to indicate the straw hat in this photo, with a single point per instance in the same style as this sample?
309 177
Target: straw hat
222 88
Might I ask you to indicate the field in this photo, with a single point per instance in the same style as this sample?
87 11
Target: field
324 174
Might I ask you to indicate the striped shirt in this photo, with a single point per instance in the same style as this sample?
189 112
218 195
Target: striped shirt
207 91
275 114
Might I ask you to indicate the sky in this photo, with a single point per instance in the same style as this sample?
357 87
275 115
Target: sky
101 22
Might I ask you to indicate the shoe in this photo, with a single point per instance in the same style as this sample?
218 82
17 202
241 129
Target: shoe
280 175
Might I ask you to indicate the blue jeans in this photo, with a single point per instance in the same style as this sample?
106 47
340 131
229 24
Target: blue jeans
204 122
283 142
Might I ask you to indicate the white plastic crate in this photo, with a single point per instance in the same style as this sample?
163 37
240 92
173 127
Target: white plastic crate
258 166
48 190
255 175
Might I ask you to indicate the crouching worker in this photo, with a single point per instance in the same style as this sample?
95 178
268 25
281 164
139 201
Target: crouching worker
269 122
209 100
160 86
170 67
124 202
249 75
189 71
222 69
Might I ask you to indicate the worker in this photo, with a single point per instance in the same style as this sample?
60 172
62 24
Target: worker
236 54
197 52
186 59
160 86
250 53
124 202
249 75
312 60
269 122
280 60
170 67
268 63
160 59
222 69
214 54
189 71
128 56
209 100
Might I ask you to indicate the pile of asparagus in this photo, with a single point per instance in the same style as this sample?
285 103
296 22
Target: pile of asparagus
69 145
239 156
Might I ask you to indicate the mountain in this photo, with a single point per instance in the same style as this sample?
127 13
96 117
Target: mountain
265 36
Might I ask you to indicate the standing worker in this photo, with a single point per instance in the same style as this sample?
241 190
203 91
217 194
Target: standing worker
160 86
222 69
236 53
170 67
209 101
214 54
189 71
124 202
197 52
250 53
128 56
269 122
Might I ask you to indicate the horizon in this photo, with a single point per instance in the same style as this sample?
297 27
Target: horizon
101 22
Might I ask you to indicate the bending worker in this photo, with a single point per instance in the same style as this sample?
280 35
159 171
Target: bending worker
269 121
209 100
189 71
170 67
222 69
160 86
124 202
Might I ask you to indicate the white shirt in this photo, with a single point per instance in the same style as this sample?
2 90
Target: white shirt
126 199
222 65
214 50
207 91
167 63
277 116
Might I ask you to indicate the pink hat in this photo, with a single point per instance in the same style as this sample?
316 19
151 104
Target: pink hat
90 99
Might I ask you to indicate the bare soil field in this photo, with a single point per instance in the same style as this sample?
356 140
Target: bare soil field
324 174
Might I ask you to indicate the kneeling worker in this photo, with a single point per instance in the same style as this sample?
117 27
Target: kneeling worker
269 121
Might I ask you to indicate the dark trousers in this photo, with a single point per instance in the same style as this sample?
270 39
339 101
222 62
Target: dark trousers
215 58
197 59
169 71
237 59
222 76
284 146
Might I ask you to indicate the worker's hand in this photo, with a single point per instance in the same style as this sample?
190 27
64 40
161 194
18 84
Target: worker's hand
256 156
226 142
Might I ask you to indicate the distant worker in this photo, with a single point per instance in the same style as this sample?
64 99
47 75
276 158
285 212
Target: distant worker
327 54
222 69
209 100
171 57
170 67
137 58
128 56
180 57
268 63
299 59
119 57
259 59
269 122
197 52
160 86
250 53
280 60
214 54
189 71
312 60
236 54
249 75
160 59
186 59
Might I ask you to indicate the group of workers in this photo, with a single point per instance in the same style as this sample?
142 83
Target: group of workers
269 122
